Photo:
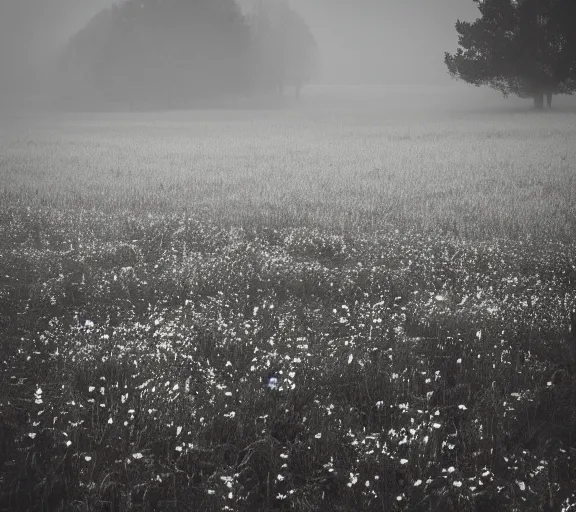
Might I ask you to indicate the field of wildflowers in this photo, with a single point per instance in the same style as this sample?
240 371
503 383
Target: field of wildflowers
286 311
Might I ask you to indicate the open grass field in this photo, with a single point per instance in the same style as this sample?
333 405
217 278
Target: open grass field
302 309
498 174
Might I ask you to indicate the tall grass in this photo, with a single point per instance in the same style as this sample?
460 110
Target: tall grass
506 175
288 311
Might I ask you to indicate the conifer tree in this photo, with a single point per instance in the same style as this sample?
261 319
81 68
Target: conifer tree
521 47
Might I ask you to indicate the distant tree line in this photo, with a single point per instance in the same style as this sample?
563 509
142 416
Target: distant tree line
521 47
174 52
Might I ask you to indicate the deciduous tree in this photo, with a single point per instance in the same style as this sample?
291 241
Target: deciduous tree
286 48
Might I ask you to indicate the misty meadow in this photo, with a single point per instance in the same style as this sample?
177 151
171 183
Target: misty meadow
224 286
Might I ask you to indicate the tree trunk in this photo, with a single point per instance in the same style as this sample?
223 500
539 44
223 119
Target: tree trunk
539 100
549 99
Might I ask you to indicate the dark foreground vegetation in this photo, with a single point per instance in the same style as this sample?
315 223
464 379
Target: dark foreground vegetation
334 312
161 362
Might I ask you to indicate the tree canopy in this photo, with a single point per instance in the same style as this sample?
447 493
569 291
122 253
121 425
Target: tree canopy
177 51
521 47
286 49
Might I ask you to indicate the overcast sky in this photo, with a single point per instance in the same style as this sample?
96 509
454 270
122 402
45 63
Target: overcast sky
385 41
361 41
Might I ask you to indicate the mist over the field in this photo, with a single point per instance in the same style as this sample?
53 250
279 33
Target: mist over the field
395 48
